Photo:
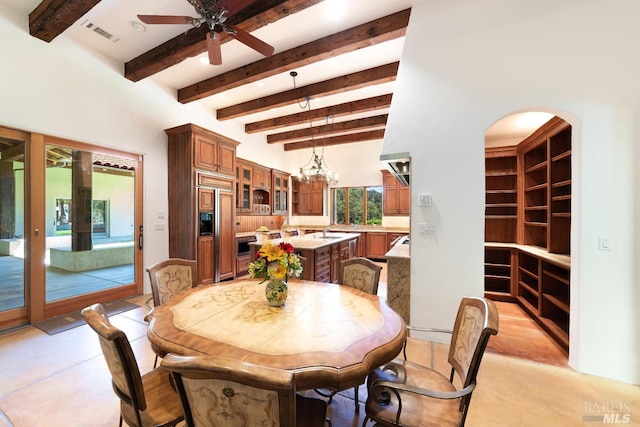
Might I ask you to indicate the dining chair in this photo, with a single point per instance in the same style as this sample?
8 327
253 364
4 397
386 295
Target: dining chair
364 275
147 400
219 391
360 273
404 393
169 278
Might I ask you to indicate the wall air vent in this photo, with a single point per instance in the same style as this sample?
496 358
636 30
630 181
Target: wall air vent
101 31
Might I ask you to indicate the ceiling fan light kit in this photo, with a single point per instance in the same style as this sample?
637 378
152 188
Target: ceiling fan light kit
214 16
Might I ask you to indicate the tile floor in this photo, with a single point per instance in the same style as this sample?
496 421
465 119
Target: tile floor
62 380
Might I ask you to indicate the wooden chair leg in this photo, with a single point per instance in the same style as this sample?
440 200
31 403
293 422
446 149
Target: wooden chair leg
355 391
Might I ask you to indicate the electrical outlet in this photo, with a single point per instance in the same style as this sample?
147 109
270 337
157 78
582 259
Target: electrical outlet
424 200
159 227
427 229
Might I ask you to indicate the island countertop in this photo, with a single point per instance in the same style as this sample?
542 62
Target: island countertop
400 249
312 241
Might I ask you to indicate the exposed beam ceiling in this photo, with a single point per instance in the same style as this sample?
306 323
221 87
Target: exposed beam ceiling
377 75
360 118
193 43
335 140
329 129
354 107
52 17
377 31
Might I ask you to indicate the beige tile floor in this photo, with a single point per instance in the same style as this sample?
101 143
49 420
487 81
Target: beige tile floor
62 380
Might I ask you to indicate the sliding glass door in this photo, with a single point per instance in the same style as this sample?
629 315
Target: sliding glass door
12 225
90 218
70 226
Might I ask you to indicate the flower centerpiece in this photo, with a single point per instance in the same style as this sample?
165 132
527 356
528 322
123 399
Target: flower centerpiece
275 264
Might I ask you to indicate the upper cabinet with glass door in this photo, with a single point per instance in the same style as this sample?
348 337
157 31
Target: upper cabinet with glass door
280 191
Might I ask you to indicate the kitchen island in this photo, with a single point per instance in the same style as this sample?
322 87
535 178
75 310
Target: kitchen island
399 278
322 253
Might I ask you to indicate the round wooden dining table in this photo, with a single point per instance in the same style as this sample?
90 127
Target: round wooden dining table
330 335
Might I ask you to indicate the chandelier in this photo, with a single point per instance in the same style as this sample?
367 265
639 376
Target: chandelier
316 169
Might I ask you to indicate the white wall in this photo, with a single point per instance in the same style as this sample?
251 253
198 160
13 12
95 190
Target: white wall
467 64
63 90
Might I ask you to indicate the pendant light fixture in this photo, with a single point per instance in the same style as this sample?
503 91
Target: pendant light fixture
316 168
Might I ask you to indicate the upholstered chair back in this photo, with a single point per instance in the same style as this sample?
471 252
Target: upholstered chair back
171 277
360 273
118 355
217 391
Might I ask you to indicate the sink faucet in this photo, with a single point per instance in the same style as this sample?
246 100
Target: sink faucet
324 232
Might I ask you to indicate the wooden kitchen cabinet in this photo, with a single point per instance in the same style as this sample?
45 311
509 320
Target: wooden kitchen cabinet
201 174
335 263
308 198
377 244
244 172
206 199
392 237
211 152
206 251
261 178
226 236
395 196
253 188
280 192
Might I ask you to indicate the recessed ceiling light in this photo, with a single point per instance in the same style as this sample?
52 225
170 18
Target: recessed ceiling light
138 27
260 84
204 60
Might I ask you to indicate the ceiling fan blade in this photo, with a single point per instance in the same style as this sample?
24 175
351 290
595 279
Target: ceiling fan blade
252 41
234 6
166 19
213 47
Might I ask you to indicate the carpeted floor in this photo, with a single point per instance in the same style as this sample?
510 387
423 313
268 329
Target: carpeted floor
68 321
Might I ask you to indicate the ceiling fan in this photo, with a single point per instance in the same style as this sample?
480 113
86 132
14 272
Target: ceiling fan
214 14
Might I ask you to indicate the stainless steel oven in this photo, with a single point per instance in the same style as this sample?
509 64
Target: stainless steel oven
243 254
243 244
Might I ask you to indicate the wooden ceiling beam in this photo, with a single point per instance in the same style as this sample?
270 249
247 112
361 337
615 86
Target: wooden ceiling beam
193 43
51 17
373 32
372 76
330 129
336 140
353 107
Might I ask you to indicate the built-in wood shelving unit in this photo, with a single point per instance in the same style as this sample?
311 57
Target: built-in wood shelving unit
528 204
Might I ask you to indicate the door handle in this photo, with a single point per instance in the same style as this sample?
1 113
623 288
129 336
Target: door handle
140 238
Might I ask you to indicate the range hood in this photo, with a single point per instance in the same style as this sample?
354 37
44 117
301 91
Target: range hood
399 165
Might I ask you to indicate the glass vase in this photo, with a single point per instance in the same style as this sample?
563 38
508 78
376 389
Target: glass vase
276 292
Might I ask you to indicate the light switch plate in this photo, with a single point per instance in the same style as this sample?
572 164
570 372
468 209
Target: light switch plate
424 200
604 243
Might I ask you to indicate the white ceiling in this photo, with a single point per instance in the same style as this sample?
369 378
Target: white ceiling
118 17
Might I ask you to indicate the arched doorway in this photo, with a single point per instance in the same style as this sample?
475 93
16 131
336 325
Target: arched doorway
528 199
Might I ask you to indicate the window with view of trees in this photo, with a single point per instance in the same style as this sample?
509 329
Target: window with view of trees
357 205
